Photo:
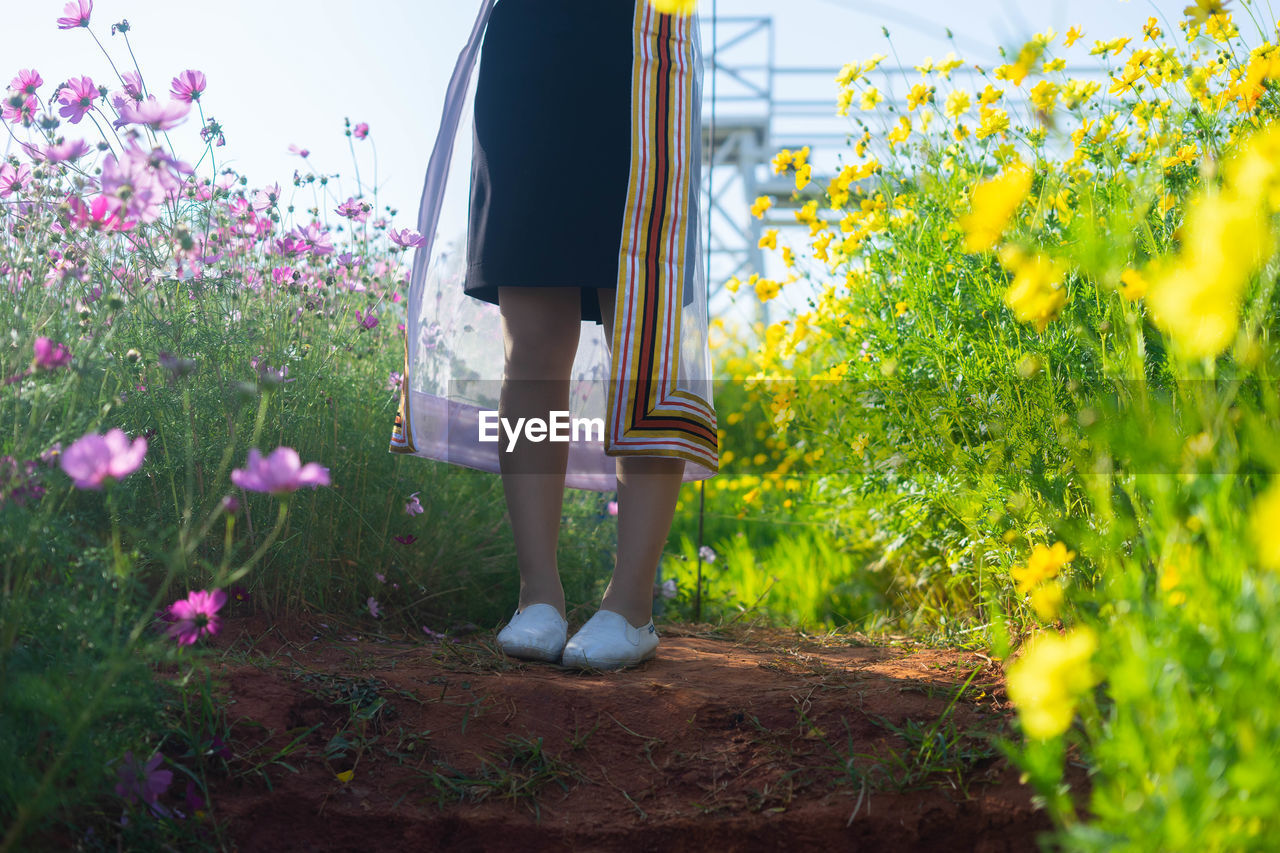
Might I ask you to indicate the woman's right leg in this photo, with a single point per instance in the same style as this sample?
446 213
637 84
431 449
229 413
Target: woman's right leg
540 327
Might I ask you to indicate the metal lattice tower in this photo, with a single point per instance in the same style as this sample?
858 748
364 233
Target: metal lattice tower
762 108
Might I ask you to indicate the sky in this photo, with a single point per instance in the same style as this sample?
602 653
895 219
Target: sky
289 73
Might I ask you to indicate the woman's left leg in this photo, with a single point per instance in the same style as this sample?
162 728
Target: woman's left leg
648 487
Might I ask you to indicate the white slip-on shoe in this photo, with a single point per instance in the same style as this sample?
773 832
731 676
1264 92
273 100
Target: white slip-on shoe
608 641
536 633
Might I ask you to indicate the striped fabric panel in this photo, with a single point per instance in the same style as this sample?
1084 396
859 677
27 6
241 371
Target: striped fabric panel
647 413
401 434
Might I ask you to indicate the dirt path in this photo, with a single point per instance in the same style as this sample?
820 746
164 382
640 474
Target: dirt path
759 741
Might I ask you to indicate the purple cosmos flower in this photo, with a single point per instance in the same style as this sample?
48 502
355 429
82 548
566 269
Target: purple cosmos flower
239 593
154 113
374 610
230 504
76 14
188 86
18 481
132 85
407 237
407 539
176 364
356 211
77 97
414 507
94 458
361 130
219 747
365 321
707 555
279 473
393 381
194 801
196 615
28 82
144 782
50 355
72 149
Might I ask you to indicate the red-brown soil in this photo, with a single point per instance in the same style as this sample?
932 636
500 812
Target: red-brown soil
724 742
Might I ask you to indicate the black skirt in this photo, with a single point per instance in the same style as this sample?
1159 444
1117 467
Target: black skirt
552 147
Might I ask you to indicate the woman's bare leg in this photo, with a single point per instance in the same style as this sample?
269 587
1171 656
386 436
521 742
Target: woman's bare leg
647 490
540 329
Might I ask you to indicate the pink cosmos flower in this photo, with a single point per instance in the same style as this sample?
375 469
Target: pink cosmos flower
14 179
266 198
50 355
361 130
76 14
407 237
19 110
301 152
374 610
612 507
414 507
101 213
196 615
279 473
78 96
93 458
188 86
154 114
27 82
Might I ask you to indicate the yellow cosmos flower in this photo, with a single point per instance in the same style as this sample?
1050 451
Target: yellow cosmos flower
1044 95
871 98
1264 525
804 174
957 104
901 132
1046 682
1044 563
920 94
1035 296
1046 599
991 122
761 206
673 7
1197 297
1132 285
1073 35
991 206
769 240
766 289
1151 30
1202 10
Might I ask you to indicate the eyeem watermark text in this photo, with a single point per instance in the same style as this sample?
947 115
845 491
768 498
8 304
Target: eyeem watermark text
560 428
